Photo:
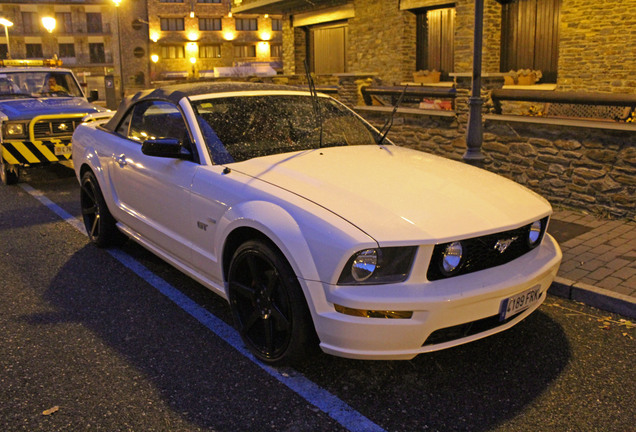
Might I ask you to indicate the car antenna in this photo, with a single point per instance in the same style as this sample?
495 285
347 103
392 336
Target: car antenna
314 100
389 121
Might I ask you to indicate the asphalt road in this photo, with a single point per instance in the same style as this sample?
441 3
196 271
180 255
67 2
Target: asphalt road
87 344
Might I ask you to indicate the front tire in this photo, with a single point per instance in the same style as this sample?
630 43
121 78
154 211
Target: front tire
268 305
9 174
99 223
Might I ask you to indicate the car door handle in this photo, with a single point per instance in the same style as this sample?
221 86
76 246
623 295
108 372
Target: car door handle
121 160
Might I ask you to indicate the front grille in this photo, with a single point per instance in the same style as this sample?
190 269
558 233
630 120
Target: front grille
460 331
481 253
55 128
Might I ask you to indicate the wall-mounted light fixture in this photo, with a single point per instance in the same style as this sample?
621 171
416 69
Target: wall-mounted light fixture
48 23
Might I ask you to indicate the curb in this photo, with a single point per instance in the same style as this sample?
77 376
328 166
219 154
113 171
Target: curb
592 296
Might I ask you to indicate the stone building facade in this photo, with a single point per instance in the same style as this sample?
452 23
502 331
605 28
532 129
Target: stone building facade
85 37
191 38
595 38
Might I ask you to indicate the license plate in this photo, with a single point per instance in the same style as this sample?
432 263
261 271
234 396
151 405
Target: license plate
63 150
520 302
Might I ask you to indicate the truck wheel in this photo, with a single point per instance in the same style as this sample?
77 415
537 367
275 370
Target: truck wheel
9 174
99 223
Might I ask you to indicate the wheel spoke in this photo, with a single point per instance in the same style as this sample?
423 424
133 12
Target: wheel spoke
244 291
89 210
250 322
282 323
95 227
253 269
269 335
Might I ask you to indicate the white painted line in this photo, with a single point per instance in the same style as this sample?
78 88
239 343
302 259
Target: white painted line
307 389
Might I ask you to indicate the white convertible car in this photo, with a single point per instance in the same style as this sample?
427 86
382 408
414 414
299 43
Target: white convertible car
315 228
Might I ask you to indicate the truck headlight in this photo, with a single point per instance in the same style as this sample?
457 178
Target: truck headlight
14 130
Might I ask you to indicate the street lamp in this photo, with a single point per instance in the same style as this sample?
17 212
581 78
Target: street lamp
121 66
48 23
6 23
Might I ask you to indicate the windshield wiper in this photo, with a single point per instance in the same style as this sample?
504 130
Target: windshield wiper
389 121
314 100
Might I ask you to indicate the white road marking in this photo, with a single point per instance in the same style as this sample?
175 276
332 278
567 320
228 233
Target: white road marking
307 389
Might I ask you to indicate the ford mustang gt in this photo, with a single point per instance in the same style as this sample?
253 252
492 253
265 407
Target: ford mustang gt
315 228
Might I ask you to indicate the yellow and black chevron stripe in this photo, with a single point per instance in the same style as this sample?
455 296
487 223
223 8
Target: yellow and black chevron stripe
17 152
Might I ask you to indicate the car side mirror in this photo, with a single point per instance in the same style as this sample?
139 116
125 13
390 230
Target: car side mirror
165 147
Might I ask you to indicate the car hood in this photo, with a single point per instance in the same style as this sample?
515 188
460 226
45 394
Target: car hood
26 109
399 195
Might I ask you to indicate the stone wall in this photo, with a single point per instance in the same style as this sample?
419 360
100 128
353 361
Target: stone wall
597 46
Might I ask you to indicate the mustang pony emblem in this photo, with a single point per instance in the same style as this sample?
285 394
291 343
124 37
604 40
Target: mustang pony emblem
502 245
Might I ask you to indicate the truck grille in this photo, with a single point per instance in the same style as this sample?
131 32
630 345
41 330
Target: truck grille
55 128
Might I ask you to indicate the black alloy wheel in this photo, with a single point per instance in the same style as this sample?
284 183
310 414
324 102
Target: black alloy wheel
268 305
99 223
8 174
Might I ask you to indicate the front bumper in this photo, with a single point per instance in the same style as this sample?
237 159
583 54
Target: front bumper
439 306
27 152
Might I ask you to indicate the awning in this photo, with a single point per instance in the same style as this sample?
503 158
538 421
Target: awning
269 6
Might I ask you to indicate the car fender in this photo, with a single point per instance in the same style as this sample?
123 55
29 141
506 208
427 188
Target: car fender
282 229
86 155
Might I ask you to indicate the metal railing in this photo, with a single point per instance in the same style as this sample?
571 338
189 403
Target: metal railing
411 94
621 105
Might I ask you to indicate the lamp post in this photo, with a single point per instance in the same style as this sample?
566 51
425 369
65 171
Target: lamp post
6 23
121 65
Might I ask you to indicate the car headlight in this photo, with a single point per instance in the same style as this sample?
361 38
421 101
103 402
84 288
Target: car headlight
452 257
14 130
378 266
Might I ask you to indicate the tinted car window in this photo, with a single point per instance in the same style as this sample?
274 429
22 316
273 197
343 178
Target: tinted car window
254 126
157 119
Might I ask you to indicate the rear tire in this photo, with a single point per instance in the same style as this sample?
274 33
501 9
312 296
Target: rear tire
99 223
9 174
268 305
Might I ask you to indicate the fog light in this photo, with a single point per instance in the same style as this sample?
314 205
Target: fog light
535 233
452 257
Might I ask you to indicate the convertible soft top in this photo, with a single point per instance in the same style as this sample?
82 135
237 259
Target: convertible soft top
174 93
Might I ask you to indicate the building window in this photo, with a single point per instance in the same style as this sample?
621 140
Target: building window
94 22
34 51
244 51
530 36
435 40
277 24
64 22
208 1
30 22
209 24
276 51
170 1
246 24
96 51
172 24
210 51
172 52
66 50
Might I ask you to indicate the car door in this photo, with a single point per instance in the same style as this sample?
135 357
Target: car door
154 192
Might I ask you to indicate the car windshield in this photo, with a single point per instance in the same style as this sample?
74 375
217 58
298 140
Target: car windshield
38 84
244 127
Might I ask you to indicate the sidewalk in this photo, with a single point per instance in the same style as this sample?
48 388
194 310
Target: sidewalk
599 261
